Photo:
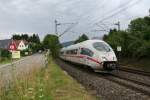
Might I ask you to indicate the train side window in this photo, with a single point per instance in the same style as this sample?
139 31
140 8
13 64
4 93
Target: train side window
86 51
67 52
74 51
61 52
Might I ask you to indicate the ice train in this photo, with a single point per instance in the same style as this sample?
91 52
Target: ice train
96 54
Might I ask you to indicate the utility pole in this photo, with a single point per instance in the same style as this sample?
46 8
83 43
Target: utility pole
59 24
56 24
56 27
118 24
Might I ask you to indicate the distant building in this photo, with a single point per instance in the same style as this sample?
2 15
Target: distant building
19 44
4 44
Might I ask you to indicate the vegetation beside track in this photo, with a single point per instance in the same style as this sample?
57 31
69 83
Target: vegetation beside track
50 83
5 61
142 64
134 42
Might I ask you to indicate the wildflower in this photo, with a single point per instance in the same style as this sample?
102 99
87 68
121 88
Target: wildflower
40 96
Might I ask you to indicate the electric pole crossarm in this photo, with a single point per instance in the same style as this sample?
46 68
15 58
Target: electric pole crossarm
58 24
69 28
66 23
99 30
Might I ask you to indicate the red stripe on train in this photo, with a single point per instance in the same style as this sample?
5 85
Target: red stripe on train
83 56
94 60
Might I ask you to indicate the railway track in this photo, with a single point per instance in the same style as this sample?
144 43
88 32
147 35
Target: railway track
135 71
132 80
138 86
134 84
130 83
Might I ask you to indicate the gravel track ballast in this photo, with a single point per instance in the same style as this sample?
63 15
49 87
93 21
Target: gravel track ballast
105 89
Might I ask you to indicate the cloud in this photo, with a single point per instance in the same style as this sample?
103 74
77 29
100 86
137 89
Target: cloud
37 16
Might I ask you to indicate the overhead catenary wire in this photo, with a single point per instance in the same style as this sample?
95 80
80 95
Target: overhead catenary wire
116 13
119 8
119 11
69 28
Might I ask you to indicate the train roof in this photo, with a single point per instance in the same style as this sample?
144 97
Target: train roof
74 46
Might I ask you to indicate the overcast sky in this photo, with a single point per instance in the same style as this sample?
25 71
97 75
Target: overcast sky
37 16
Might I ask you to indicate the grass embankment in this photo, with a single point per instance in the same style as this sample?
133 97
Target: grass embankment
5 61
50 83
141 64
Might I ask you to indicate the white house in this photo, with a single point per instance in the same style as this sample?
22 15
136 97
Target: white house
21 44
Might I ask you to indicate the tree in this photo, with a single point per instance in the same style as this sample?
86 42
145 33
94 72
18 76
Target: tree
140 28
81 39
105 36
119 38
16 37
52 42
25 37
135 41
35 38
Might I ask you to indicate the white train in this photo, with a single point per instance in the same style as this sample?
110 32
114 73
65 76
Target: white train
94 53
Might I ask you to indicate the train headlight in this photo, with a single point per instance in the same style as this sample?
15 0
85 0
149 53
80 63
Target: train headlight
104 58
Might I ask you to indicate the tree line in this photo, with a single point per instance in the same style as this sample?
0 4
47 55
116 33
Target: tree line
135 41
33 38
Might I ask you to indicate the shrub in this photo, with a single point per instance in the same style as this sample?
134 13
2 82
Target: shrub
5 54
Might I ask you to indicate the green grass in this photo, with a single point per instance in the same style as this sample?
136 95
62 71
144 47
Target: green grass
5 61
50 83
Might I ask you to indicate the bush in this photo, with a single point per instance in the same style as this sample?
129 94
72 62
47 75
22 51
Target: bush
52 42
36 47
23 52
5 54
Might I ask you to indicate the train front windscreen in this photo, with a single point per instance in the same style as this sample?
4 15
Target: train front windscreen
101 46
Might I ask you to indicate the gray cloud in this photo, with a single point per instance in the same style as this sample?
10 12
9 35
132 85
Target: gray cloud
37 16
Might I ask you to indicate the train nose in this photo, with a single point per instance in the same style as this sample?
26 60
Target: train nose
110 65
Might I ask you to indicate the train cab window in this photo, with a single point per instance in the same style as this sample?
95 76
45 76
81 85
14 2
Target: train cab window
86 51
101 46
